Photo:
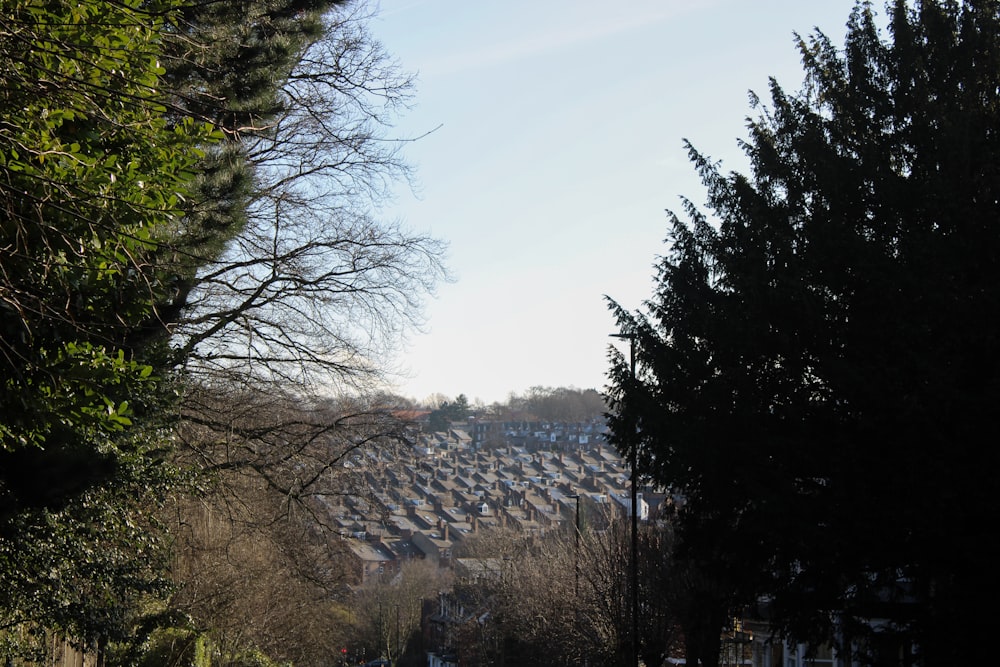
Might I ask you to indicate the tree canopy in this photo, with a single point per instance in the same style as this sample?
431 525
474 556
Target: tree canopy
93 176
817 365
188 220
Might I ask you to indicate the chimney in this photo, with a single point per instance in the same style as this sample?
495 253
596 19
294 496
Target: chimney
446 527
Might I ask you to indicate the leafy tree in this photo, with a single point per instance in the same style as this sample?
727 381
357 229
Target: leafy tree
93 176
816 370
187 195
459 410
437 421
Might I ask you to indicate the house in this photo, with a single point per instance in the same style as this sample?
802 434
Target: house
367 560
478 570
454 628
623 503
436 547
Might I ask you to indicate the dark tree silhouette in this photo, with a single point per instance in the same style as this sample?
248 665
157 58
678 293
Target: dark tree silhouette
817 369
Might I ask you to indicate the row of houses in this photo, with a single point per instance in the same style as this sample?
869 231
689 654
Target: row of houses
422 503
449 486
454 486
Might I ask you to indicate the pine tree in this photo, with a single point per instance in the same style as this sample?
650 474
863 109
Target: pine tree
817 370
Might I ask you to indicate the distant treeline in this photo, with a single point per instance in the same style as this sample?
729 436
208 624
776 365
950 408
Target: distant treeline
558 404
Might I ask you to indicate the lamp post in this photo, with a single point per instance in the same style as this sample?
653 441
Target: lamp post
576 571
576 550
634 562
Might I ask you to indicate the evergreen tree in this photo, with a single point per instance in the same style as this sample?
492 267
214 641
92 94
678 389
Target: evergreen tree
816 371
185 197
92 176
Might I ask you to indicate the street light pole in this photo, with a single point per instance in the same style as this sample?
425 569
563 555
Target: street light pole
576 569
634 562
576 551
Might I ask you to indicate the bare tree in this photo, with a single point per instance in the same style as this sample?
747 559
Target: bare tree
565 404
316 290
257 585
541 610
566 594
386 614
255 542
286 329
303 451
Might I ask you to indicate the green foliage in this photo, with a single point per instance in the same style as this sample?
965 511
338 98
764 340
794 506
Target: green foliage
94 175
177 647
255 46
171 171
813 371
184 647
253 658
83 568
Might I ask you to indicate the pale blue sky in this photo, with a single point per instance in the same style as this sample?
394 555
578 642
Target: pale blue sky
560 146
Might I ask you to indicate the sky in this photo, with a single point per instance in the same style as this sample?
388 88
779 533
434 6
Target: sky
555 146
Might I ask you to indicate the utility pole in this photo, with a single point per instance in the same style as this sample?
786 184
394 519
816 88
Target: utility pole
576 551
634 562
